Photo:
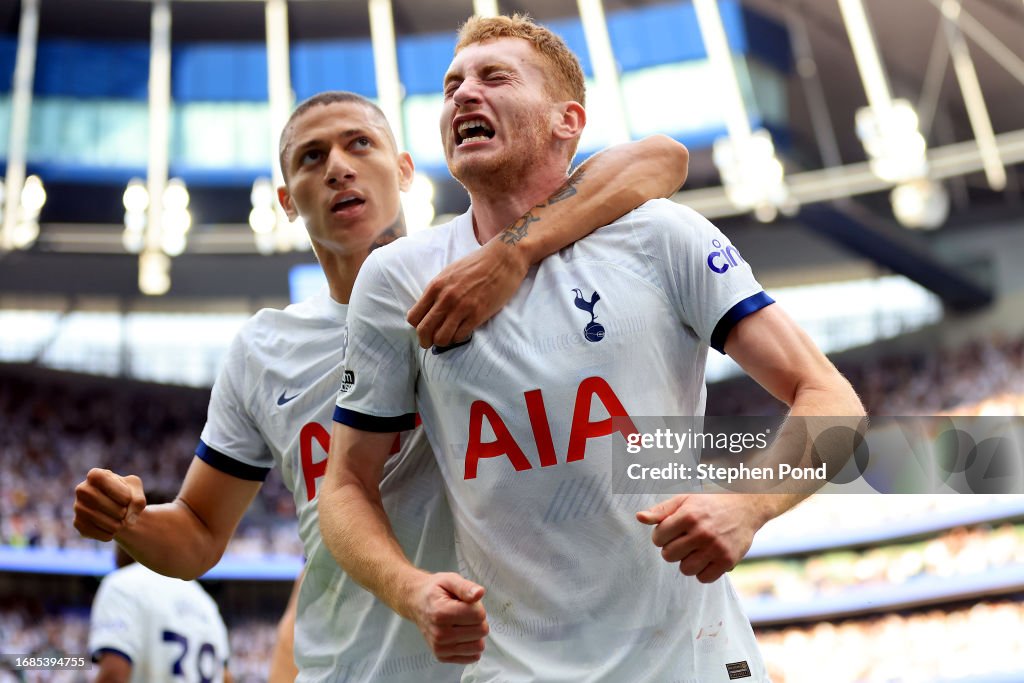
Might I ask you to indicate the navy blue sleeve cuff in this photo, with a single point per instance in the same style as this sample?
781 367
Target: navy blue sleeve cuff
229 465
99 652
372 423
751 304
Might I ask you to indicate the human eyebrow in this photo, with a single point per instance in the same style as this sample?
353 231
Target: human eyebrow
449 78
299 150
489 69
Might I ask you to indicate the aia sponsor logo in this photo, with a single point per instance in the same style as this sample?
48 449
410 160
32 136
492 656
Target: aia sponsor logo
582 430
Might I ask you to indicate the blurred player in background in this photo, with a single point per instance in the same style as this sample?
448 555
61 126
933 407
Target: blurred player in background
272 403
148 628
617 324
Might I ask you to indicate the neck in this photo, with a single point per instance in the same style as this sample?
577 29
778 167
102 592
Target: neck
496 208
342 267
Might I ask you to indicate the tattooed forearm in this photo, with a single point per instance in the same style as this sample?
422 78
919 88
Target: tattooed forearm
568 189
518 230
390 233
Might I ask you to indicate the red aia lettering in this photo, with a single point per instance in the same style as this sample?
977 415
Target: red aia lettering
311 471
583 428
504 444
581 431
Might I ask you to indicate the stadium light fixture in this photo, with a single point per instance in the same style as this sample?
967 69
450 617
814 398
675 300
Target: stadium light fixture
752 175
136 201
887 128
176 197
136 196
262 218
33 195
25 234
269 222
896 150
26 223
485 8
154 273
154 263
418 204
890 131
970 88
606 70
12 234
920 204
385 63
176 220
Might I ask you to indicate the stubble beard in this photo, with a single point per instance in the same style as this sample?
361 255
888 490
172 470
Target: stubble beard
504 171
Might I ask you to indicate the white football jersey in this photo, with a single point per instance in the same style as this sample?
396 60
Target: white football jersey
272 405
617 324
169 629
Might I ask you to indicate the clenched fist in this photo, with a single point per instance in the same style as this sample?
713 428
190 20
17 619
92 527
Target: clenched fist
449 614
106 503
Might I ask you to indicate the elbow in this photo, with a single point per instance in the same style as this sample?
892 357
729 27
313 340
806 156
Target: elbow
193 565
194 570
672 163
829 395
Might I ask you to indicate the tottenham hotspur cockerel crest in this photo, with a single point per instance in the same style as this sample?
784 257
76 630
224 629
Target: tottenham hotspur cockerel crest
594 331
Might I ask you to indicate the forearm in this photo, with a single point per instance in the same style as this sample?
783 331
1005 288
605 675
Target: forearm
355 528
171 540
282 660
819 430
606 186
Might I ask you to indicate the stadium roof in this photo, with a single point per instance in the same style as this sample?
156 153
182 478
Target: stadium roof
911 42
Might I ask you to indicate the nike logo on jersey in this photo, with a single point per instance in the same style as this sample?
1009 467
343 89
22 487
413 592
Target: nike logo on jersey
438 350
282 399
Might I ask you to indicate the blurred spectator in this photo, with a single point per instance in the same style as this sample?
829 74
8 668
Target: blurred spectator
56 429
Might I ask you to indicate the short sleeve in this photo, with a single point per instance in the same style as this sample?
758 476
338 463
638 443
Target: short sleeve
116 623
378 390
708 281
231 441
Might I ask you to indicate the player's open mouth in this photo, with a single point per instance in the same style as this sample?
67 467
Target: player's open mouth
346 202
473 130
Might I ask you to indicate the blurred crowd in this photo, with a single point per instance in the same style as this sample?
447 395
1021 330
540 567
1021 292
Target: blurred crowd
27 628
988 373
956 553
935 645
984 640
55 429
831 516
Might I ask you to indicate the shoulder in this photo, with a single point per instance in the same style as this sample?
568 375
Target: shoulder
127 581
412 248
668 212
402 268
671 230
271 328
